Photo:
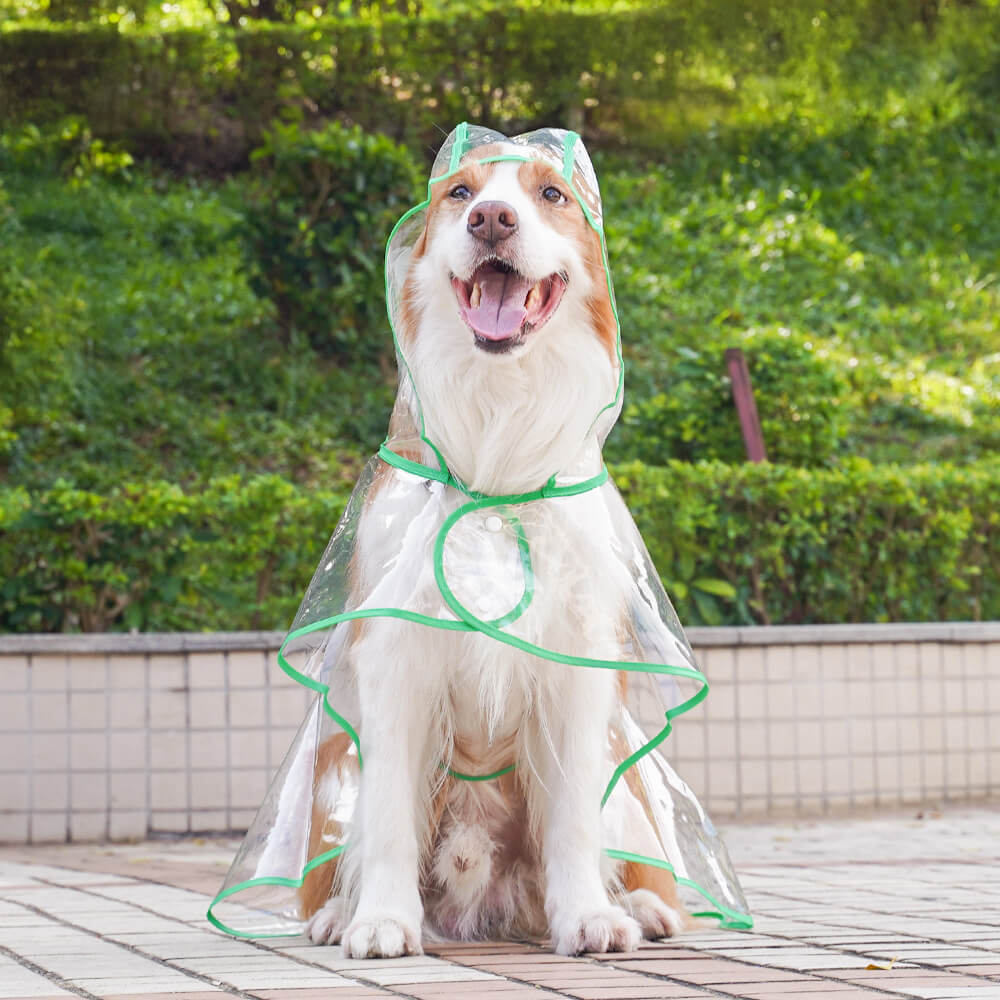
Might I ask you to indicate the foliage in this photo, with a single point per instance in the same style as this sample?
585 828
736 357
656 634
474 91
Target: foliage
314 228
67 147
869 318
32 376
853 230
150 556
627 74
812 186
771 544
156 359
734 543
800 395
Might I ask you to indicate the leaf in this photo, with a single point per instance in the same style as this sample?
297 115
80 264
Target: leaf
883 968
721 588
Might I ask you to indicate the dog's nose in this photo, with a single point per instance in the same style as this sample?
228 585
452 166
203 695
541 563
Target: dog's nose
492 221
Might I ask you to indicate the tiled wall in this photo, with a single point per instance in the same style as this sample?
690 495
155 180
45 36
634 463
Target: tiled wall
120 736
99 745
820 727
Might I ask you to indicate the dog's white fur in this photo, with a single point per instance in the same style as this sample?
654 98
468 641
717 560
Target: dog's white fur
521 854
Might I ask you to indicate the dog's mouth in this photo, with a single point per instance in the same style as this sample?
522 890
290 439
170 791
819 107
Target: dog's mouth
502 307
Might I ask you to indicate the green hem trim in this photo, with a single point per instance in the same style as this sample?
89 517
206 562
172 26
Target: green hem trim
251 883
481 777
728 918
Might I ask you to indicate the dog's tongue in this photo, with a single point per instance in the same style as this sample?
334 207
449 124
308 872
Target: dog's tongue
501 312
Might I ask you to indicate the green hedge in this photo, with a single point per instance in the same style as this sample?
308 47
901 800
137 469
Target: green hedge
735 544
202 97
858 542
149 556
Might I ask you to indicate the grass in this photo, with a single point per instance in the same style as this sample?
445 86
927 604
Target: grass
165 364
835 220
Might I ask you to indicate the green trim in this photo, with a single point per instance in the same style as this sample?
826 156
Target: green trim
481 777
547 492
696 699
569 157
527 574
417 468
635 758
458 147
290 883
729 918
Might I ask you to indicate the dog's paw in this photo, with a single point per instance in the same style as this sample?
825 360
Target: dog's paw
656 919
326 926
609 929
381 937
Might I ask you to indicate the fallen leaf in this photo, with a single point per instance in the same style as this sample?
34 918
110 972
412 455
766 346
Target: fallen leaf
884 968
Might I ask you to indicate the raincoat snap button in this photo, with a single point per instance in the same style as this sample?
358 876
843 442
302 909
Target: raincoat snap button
493 523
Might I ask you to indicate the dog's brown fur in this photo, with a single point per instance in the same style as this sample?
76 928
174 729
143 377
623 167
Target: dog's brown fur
319 882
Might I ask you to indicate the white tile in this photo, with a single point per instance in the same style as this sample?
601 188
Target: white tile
165 983
451 974
294 978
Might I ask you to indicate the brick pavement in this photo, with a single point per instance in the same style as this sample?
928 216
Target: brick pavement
893 906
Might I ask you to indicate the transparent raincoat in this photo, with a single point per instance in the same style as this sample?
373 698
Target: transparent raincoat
478 549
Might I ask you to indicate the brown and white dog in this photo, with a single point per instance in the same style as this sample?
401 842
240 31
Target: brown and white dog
510 336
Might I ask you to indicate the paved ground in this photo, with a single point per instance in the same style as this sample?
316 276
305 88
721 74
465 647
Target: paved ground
886 907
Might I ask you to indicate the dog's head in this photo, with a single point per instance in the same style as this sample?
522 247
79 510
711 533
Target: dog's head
502 304
506 230
514 245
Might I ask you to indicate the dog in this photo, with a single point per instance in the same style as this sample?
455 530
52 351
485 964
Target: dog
508 330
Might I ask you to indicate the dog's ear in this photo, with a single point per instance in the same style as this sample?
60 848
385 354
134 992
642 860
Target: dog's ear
420 247
603 318
602 313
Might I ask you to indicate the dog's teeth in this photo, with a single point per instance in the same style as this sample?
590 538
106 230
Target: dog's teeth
534 297
477 294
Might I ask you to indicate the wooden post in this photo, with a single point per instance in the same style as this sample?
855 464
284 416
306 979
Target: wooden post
739 374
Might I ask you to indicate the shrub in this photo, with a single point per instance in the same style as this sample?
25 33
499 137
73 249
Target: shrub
735 544
314 232
150 556
629 73
68 147
858 542
31 351
799 394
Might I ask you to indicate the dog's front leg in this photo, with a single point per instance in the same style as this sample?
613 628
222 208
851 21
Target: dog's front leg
580 915
396 698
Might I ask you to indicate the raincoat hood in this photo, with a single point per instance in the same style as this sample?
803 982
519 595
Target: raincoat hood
565 152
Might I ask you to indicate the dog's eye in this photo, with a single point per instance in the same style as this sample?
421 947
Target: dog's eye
460 191
553 194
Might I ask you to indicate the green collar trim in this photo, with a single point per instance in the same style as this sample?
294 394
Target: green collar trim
444 475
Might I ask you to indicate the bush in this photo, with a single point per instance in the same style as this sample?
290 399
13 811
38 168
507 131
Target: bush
149 556
13 323
32 372
735 544
769 544
629 75
799 394
67 147
314 231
